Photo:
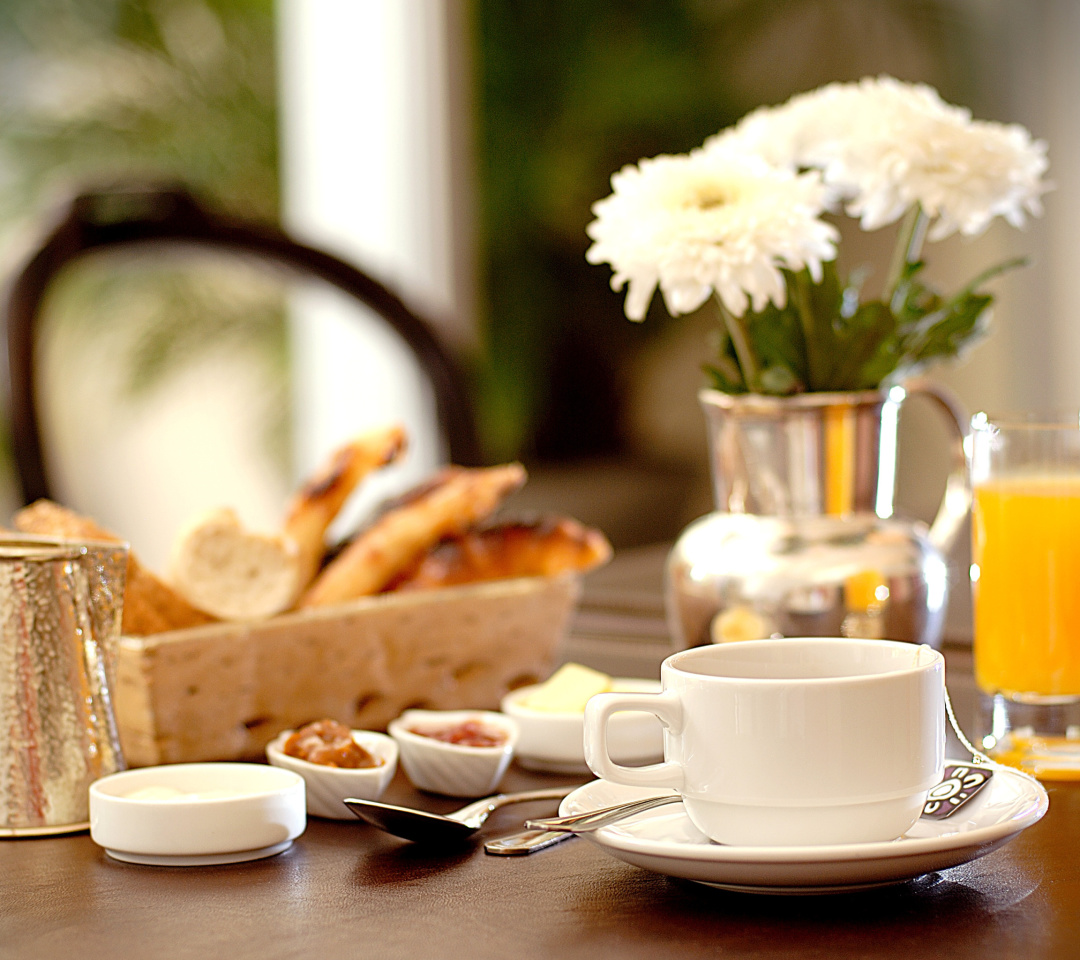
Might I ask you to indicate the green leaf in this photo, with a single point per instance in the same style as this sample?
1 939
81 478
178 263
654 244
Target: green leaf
777 339
818 306
945 332
824 339
933 329
841 335
778 380
861 344
726 376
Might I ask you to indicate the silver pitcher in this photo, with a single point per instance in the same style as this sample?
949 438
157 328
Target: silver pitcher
60 612
804 541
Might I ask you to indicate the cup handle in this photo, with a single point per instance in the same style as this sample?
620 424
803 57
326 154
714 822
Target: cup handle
664 706
956 501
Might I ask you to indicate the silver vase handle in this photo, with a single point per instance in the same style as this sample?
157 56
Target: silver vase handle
956 501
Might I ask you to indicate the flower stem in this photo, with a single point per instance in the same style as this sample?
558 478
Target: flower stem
908 249
805 311
743 352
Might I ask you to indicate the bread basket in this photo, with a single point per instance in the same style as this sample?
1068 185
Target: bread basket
224 691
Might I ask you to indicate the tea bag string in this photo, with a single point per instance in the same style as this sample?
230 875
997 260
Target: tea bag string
979 758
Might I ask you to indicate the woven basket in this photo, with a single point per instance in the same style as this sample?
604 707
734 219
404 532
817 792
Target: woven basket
222 692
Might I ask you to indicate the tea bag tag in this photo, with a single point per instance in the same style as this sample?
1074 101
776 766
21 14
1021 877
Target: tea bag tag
959 784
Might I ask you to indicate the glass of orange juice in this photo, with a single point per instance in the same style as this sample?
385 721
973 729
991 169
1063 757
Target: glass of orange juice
1026 589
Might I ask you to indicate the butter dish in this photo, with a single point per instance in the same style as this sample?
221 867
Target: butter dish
194 814
553 741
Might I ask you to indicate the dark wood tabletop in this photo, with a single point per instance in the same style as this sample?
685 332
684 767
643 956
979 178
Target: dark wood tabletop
346 890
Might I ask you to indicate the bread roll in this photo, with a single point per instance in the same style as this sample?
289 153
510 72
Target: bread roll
150 605
314 506
455 500
522 548
232 572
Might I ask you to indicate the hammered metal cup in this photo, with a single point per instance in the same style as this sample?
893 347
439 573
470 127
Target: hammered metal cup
60 611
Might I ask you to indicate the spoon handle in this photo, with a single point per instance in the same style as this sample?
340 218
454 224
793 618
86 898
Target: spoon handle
525 842
595 819
488 804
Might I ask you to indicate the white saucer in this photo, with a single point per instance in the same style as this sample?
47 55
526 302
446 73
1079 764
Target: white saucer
200 860
665 841
569 768
6 832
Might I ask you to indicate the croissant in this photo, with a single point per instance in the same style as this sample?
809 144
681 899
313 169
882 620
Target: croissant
521 548
456 499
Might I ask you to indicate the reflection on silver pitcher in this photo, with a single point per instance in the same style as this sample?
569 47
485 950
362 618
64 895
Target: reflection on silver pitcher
60 612
804 541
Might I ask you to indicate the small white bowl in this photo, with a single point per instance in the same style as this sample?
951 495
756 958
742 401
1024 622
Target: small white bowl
328 786
453 769
555 742
189 814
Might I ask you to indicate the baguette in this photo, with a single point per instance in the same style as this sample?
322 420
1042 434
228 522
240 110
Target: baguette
232 572
522 548
455 500
314 506
150 605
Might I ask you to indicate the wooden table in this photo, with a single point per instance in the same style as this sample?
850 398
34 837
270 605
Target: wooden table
345 890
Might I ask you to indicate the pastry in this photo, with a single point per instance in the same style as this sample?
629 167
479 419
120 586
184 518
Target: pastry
456 499
314 506
517 548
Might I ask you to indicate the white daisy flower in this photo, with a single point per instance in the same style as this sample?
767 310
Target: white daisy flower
710 222
804 132
915 148
884 146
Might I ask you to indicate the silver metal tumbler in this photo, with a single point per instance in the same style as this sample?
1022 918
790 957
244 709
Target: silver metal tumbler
60 611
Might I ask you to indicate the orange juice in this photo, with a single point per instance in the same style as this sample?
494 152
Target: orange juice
1026 544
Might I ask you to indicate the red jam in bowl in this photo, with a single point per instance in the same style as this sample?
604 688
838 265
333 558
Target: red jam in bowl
468 733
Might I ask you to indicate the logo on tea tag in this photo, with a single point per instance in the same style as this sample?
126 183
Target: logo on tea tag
960 784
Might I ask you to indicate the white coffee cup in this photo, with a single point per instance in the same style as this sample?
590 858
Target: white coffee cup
790 742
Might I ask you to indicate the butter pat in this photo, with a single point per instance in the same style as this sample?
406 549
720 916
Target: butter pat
567 690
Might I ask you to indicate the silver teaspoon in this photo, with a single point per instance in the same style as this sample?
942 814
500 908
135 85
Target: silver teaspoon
424 827
595 819
525 842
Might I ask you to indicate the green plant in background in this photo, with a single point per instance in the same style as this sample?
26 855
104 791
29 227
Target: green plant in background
94 92
98 89
564 90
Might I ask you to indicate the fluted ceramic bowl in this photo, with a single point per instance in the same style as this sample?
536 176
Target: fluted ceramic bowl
328 786
453 769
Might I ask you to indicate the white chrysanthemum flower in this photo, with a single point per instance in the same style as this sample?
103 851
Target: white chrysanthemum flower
915 148
884 146
801 133
710 221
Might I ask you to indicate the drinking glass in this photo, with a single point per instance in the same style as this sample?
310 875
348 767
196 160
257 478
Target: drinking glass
1026 589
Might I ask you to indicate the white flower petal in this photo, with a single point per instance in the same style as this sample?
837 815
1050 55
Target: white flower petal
712 221
883 146
638 295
